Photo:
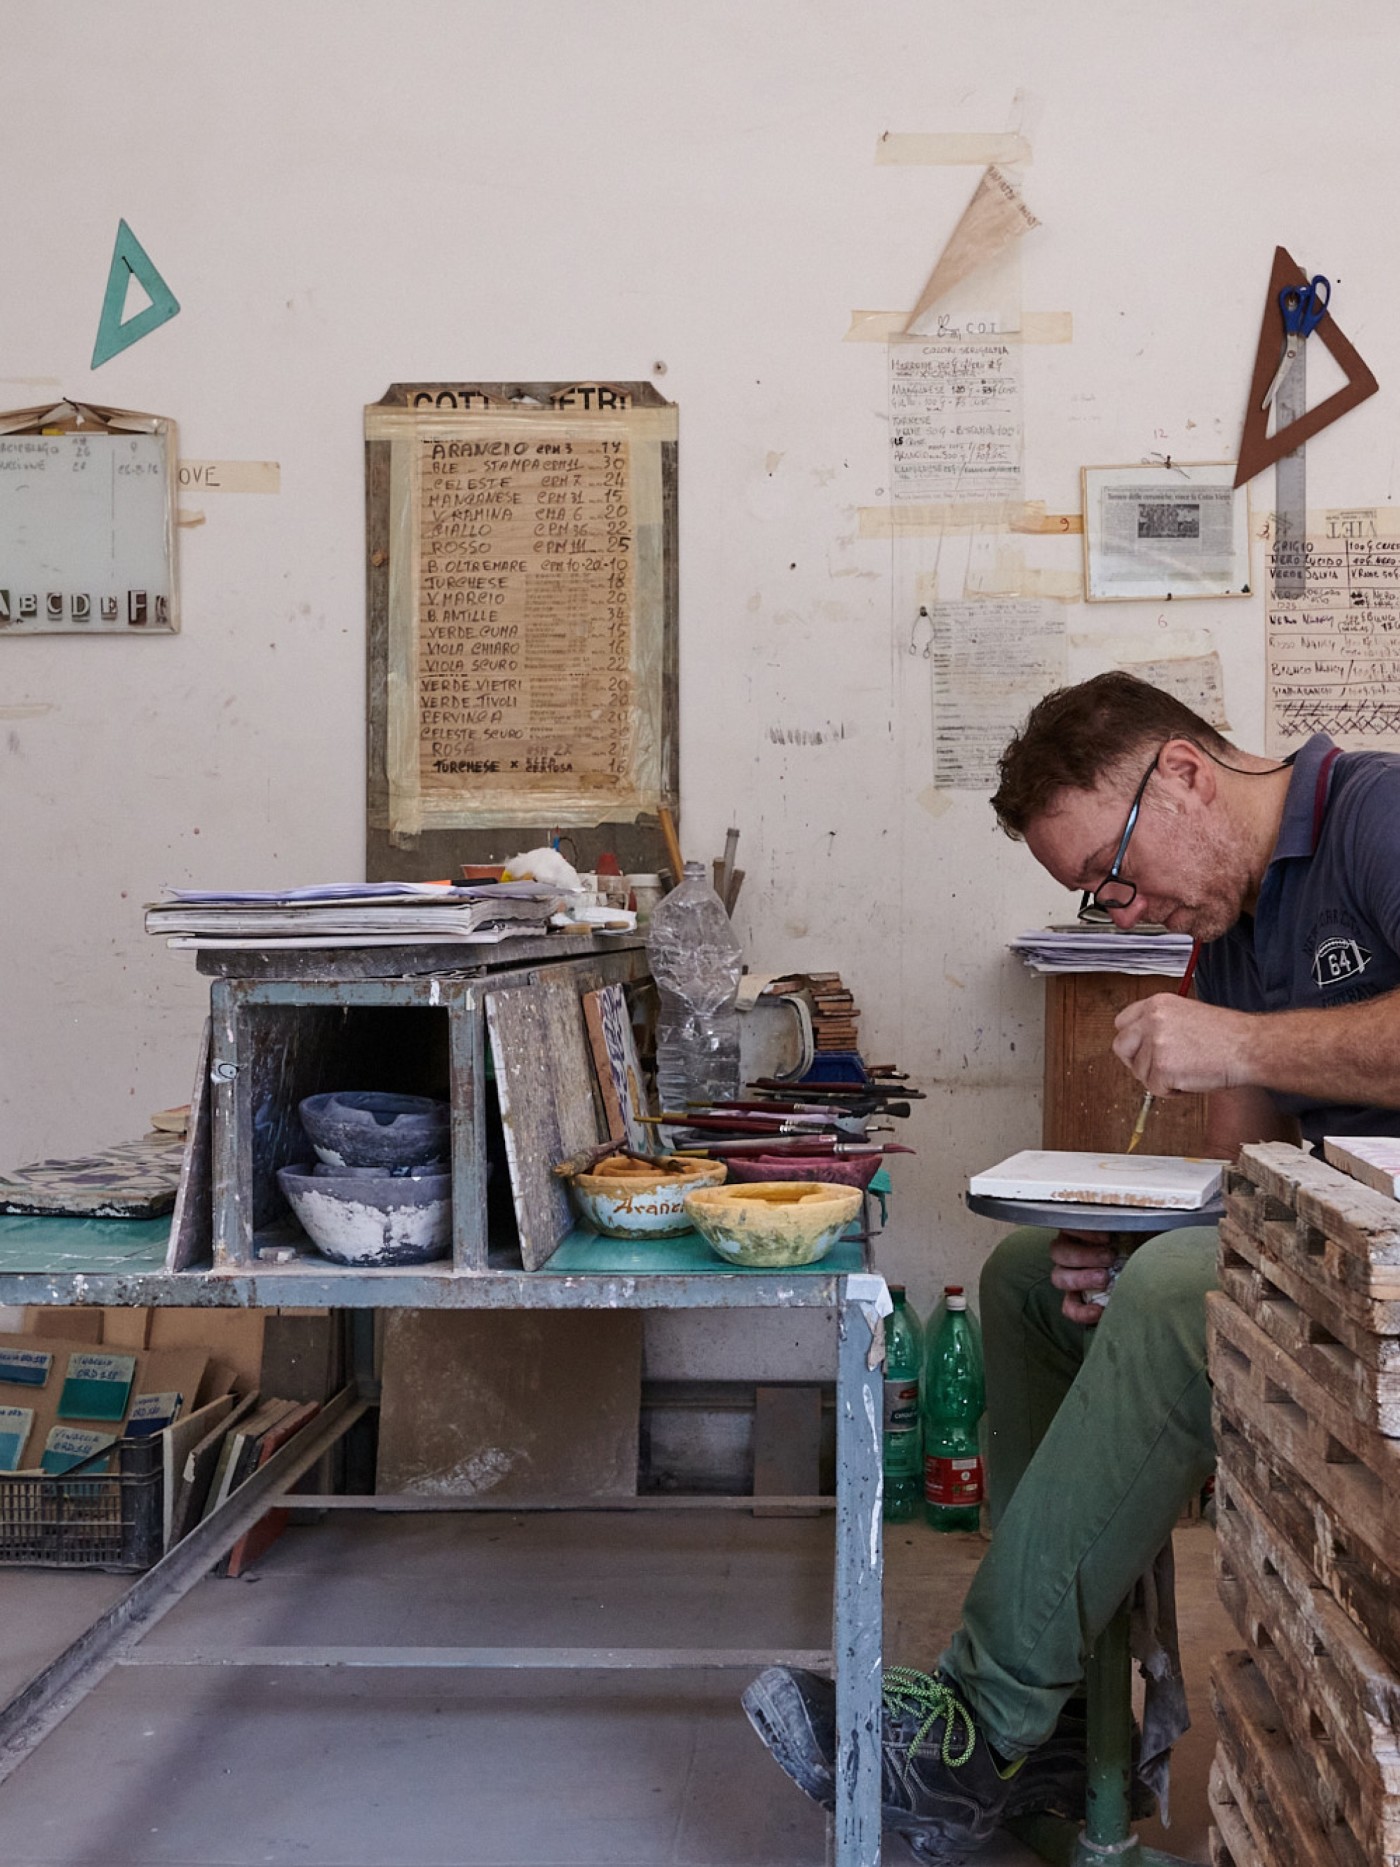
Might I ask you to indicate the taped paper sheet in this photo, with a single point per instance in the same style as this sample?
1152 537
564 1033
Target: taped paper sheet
992 660
1195 680
1333 654
1033 327
994 218
955 420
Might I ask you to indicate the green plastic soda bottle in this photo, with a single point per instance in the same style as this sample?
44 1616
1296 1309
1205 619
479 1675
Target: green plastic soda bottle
954 1396
902 1463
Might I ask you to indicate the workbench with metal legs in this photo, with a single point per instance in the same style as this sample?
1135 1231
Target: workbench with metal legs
855 1654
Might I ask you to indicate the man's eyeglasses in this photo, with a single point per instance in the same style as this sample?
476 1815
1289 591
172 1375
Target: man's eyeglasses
1113 892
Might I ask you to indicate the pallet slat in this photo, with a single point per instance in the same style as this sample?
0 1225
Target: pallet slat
1358 1367
1263 1784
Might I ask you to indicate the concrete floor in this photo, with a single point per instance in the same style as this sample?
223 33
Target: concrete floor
186 1768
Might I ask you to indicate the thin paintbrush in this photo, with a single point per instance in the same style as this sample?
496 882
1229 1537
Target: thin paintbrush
1182 991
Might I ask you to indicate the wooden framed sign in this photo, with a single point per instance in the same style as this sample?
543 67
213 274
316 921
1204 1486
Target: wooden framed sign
522 613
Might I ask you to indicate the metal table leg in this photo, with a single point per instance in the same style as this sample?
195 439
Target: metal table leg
859 1571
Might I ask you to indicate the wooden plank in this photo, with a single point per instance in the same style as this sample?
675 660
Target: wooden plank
548 1100
1266 1779
1090 1101
1362 1221
1334 1690
1354 1467
1231 1844
522 1405
1357 1367
787 1433
1253 1475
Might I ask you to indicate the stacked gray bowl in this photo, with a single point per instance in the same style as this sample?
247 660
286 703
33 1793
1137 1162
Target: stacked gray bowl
380 1191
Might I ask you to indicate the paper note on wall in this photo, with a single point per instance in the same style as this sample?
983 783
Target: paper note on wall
992 660
1195 680
955 419
1334 653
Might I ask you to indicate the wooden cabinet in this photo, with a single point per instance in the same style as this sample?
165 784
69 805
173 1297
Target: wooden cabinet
1091 1100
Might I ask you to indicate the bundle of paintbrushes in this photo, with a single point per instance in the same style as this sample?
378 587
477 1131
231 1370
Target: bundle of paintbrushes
786 1127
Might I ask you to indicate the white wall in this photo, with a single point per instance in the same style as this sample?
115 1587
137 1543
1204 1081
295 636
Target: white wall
345 193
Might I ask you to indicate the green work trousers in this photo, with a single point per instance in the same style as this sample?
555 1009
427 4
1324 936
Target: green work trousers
1097 1439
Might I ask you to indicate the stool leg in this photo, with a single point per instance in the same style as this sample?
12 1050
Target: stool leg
1109 1684
1107 1832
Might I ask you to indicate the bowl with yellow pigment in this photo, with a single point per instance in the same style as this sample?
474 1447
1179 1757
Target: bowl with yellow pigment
627 1198
774 1224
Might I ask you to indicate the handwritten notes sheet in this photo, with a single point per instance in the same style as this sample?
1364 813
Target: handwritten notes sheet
955 418
527 582
525 605
992 660
1334 652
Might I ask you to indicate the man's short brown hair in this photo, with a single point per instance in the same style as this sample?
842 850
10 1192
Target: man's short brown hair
1078 735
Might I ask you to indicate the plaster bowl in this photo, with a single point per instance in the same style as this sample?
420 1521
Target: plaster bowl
353 1219
775 1224
371 1128
621 1199
842 1170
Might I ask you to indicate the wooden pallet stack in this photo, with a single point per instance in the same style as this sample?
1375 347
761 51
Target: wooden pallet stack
1305 1360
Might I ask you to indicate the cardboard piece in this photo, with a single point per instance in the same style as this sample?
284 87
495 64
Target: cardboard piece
527 1404
232 1337
66 1325
1259 449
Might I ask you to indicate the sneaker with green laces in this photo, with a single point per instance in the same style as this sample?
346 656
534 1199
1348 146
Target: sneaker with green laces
942 1787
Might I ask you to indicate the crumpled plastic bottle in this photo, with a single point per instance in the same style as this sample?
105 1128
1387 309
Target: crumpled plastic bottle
697 964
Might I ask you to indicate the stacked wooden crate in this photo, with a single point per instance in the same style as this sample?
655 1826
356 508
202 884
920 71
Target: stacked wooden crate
1305 1360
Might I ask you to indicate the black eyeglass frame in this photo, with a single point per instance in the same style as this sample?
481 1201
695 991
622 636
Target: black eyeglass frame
1092 900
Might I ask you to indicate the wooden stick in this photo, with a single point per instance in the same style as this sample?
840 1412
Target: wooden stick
673 842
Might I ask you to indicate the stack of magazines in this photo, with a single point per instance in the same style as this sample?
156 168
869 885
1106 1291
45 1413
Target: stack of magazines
345 914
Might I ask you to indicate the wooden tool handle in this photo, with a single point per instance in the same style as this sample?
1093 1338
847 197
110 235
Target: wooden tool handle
673 842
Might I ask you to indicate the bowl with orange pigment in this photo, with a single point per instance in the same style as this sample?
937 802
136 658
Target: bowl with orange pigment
623 1197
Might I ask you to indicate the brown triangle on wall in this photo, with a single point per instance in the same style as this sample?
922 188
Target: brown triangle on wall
1258 448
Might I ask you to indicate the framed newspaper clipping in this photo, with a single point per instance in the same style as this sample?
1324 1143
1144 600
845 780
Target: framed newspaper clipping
521 585
1152 533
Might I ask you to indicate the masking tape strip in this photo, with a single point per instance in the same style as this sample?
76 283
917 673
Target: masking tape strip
229 476
1037 327
407 424
967 515
1008 574
951 148
1049 524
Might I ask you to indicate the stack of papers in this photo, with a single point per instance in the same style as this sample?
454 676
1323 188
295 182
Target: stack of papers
1083 948
346 914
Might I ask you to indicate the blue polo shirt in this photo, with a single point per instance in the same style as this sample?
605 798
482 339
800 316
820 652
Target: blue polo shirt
1326 930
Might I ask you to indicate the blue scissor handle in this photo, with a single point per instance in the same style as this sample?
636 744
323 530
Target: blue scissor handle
1304 306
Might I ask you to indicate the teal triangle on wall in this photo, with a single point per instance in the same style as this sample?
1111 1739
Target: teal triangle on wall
130 260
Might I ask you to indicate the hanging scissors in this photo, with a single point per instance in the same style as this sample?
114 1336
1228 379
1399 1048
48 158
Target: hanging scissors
1303 308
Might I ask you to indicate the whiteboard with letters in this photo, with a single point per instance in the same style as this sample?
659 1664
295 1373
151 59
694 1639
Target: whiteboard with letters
86 532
